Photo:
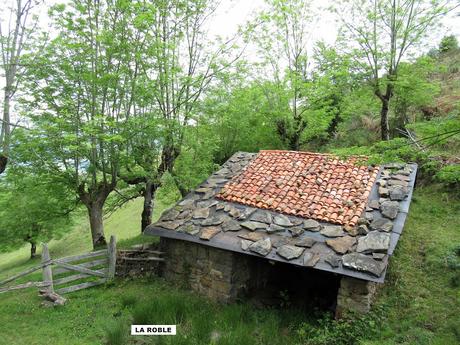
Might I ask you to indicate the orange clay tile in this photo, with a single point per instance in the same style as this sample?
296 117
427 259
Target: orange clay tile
304 184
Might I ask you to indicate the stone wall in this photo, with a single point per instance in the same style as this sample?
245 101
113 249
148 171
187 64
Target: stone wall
140 261
355 295
218 274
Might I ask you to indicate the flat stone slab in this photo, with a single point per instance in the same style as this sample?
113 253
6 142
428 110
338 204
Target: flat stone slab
278 241
310 259
311 225
231 225
209 232
341 245
382 224
191 229
212 221
253 236
390 209
170 225
332 231
296 232
273 228
261 247
363 263
289 252
306 242
375 241
245 244
253 226
332 260
398 193
262 217
282 220
200 213
374 204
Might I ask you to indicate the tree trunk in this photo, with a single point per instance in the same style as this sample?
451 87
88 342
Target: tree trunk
149 197
384 124
33 249
3 162
95 213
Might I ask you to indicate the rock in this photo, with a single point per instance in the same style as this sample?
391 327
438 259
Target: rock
200 213
332 260
311 225
382 224
374 241
212 221
231 225
232 210
187 214
170 214
307 242
341 245
390 209
209 232
289 252
351 230
282 220
401 178
186 203
363 263
332 231
252 236
262 217
363 229
171 225
220 206
296 221
296 232
253 225
278 241
274 228
395 166
374 204
369 216
382 182
393 182
383 191
191 229
363 221
378 256
53 297
206 203
406 171
203 190
398 193
261 247
245 244
246 213
310 259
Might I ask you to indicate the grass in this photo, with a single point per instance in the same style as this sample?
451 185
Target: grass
419 304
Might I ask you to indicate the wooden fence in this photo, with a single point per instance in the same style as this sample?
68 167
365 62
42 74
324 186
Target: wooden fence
70 269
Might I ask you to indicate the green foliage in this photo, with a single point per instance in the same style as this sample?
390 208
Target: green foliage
450 175
448 44
117 333
347 331
33 209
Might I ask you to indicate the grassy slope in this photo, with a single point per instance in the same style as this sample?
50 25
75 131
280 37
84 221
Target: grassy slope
419 303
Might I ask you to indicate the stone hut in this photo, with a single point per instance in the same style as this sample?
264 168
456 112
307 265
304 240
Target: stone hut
326 224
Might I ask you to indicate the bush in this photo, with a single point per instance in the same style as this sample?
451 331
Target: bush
450 175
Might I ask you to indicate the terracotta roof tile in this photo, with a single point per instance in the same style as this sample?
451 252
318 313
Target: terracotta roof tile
305 184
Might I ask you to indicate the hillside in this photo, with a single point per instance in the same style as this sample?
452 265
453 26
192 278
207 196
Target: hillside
419 303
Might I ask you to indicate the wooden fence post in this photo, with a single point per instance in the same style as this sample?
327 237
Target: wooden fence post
112 254
47 271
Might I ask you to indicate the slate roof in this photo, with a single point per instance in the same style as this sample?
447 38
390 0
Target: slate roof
304 184
231 210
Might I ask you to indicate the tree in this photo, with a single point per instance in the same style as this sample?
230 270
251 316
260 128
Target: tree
32 209
13 39
386 32
178 67
448 43
81 86
282 35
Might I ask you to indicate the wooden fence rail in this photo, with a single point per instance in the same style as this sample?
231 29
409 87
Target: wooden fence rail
102 266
